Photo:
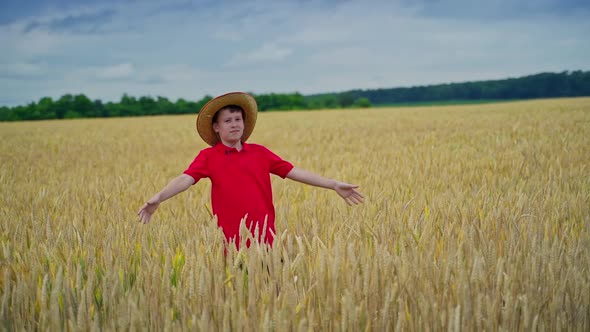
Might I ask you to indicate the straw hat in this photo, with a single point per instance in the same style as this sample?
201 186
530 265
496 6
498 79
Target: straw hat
205 117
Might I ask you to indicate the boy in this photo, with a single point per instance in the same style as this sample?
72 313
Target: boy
239 171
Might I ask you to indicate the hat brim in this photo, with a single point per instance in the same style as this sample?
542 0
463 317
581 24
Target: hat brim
205 117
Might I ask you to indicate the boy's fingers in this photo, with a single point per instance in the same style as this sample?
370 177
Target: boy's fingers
359 197
144 219
356 192
356 198
142 208
353 200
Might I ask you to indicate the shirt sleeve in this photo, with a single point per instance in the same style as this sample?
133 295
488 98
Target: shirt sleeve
199 168
277 165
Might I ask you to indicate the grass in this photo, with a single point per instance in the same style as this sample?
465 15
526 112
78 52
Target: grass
444 103
477 217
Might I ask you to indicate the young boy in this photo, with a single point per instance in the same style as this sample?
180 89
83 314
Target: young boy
239 171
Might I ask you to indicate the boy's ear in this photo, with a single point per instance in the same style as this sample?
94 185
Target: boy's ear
215 127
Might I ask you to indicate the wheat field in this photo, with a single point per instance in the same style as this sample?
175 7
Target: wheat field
476 218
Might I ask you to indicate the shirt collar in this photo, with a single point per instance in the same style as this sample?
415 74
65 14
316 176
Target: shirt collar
227 150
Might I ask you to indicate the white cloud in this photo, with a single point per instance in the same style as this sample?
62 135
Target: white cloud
267 53
179 73
23 70
16 44
122 70
225 34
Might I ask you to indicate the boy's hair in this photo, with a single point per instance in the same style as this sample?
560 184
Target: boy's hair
231 109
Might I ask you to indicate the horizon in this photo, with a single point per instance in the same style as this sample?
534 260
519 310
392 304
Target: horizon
188 50
305 95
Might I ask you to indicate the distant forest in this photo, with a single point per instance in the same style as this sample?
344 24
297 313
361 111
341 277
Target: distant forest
543 85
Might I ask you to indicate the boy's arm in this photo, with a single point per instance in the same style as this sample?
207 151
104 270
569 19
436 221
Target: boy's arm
177 185
345 190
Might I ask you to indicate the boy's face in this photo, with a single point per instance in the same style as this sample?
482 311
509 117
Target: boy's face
229 126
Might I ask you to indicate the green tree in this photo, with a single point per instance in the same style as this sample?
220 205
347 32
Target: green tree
129 106
148 105
31 112
64 105
345 99
82 107
165 106
113 109
100 109
6 114
362 102
181 106
47 108
196 107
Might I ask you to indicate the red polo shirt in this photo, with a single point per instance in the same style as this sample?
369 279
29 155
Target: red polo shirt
240 186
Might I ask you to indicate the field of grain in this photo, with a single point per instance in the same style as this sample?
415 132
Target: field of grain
476 217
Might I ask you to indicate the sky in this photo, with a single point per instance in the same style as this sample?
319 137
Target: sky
189 49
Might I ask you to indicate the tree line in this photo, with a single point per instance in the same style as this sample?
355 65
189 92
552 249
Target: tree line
80 106
543 85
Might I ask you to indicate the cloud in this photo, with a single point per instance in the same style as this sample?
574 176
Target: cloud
119 71
79 23
266 53
23 70
18 45
192 48
500 9
348 56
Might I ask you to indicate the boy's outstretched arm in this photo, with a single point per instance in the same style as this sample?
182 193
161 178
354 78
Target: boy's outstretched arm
345 190
177 185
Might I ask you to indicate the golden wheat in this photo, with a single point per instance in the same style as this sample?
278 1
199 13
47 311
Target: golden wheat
477 217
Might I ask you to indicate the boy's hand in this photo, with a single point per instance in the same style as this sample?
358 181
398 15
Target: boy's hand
146 211
348 193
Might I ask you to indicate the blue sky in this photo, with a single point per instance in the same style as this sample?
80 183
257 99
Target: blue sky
187 49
